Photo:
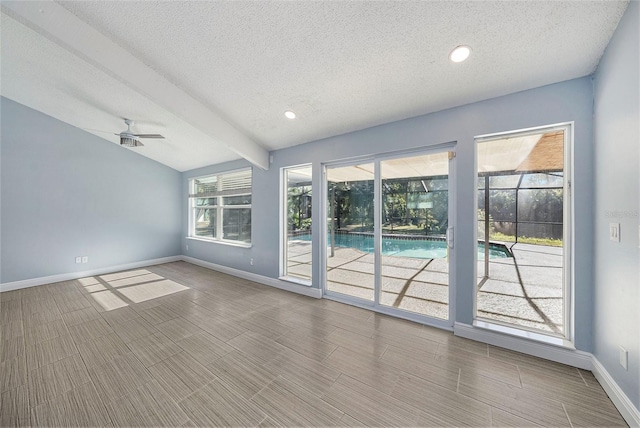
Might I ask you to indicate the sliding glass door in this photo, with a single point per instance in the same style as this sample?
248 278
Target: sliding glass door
415 219
386 234
350 231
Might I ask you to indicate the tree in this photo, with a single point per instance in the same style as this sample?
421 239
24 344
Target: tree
299 208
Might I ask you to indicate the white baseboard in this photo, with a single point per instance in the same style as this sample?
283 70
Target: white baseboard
283 285
272 282
558 354
629 412
16 285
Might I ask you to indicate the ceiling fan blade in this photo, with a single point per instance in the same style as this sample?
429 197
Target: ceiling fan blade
96 130
158 136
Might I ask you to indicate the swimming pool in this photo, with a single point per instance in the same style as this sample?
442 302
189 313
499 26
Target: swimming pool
406 247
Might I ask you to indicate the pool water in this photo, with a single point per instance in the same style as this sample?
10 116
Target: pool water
399 247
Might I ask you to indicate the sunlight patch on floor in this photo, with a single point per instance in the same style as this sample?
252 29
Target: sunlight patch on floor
108 300
121 275
121 289
151 290
134 280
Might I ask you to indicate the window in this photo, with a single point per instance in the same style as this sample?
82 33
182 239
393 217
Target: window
296 227
220 207
523 213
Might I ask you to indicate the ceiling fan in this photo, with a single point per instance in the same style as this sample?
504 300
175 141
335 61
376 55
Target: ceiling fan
129 139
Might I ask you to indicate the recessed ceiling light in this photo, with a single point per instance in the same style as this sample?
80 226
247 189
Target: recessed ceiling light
460 53
289 114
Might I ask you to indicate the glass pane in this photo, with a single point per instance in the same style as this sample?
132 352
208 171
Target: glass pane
205 222
504 181
350 268
415 218
237 200
540 206
554 179
205 185
200 202
441 184
502 205
297 256
236 224
520 266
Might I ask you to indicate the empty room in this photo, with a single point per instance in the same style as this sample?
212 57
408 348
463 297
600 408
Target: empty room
320 213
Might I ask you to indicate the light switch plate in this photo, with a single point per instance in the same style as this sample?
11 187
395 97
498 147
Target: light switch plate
78 259
614 232
624 358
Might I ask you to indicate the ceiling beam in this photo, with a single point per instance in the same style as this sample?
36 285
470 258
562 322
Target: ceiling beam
66 29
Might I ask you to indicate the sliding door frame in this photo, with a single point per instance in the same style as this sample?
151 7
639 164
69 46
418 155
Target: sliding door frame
452 214
324 195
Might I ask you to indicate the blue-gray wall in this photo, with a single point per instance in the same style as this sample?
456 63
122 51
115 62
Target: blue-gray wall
562 102
68 193
616 312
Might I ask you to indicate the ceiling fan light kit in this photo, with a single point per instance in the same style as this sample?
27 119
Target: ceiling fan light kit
129 139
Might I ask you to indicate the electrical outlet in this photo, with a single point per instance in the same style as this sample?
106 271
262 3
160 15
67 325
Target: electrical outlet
78 259
187 247
624 357
614 232
251 261
85 259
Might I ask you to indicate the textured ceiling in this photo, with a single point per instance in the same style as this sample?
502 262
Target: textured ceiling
341 66
39 73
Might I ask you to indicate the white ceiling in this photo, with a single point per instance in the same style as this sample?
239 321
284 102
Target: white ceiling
341 66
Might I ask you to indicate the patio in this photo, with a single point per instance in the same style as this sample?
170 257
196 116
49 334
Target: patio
524 290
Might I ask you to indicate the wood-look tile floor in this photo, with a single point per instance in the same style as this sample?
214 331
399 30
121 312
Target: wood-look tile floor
180 345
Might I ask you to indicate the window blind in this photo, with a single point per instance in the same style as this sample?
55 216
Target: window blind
229 184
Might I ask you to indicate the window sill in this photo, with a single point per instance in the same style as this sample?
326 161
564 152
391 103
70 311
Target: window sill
299 281
221 241
525 334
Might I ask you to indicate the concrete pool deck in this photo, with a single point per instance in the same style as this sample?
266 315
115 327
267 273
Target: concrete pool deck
525 290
